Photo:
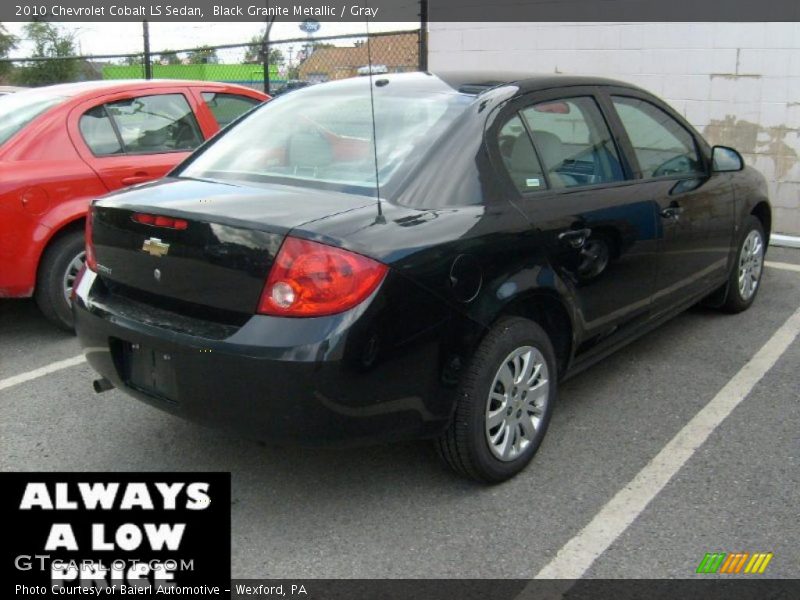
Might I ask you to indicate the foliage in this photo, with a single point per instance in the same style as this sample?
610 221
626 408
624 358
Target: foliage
7 43
169 57
49 41
293 72
255 52
203 55
132 61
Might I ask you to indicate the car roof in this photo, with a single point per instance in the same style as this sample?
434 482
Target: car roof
480 80
108 86
475 82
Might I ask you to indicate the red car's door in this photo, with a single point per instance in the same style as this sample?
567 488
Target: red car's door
137 136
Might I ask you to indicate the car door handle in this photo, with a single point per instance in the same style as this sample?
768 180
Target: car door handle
139 177
673 211
575 237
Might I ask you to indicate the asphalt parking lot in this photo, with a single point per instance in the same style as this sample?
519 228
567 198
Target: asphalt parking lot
394 511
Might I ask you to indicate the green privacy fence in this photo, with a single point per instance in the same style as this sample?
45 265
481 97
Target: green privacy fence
251 75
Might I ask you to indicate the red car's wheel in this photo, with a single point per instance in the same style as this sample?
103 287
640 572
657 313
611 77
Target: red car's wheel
60 265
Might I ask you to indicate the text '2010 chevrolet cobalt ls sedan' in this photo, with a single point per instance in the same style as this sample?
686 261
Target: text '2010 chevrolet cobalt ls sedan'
526 227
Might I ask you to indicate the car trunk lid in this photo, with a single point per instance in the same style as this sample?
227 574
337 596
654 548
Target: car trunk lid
221 258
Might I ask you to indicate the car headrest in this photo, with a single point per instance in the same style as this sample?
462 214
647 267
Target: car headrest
522 157
551 149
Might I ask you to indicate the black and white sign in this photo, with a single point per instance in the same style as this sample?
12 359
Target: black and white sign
116 533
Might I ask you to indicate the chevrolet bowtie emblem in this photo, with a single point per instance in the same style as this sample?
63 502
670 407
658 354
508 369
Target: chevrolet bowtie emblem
155 247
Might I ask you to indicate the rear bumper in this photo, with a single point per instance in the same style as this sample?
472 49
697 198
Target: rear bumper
300 381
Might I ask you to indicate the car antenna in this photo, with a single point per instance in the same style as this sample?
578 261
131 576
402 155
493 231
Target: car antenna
380 218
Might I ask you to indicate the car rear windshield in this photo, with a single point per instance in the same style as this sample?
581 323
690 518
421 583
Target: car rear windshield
322 136
17 110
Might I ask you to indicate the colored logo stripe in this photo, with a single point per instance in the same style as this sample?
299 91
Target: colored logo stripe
759 562
734 562
711 562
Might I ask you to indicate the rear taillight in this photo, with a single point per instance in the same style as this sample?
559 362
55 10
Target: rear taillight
310 279
91 259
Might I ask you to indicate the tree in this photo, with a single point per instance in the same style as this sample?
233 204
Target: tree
169 57
255 52
310 47
203 55
293 72
51 42
7 43
132 61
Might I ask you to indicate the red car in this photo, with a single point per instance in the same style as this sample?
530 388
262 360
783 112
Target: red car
63 145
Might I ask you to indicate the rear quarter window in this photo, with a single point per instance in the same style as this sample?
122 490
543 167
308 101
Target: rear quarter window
519 156
226 108
98 132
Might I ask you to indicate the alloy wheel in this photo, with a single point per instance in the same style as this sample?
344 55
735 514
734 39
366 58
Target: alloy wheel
71 273
517 402
751 262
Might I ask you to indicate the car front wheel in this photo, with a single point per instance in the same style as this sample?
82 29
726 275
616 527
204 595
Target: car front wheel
58 269
504 403
745 276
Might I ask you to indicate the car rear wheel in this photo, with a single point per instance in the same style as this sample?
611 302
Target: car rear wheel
745 276
60 264
504 404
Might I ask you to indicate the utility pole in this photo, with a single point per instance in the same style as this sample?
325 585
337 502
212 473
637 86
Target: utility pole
265 49
148 70
423 35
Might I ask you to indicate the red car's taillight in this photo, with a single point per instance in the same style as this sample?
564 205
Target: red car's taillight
310 279
91 259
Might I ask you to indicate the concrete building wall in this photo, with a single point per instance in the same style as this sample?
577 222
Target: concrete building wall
737 83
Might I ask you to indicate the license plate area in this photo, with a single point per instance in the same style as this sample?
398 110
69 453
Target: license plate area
149 370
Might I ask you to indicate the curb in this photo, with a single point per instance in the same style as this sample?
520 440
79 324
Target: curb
785 241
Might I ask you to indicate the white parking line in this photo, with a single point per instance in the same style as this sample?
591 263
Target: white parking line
41 371
782 265
578 554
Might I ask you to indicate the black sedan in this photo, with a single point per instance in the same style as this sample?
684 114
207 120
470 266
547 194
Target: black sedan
415 256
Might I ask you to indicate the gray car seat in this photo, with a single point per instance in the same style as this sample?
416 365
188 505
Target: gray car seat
551 151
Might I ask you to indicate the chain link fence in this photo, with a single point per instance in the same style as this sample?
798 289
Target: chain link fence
274 67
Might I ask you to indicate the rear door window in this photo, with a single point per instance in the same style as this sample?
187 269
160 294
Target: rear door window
226 108
573 142
663 147
155 124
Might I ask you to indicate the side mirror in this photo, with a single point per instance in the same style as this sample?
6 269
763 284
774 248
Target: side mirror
726 159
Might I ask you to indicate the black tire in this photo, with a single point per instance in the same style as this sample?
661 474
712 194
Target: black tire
735 302
50 281
464 446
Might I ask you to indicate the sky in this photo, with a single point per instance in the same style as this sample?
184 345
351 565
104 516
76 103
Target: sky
122 38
